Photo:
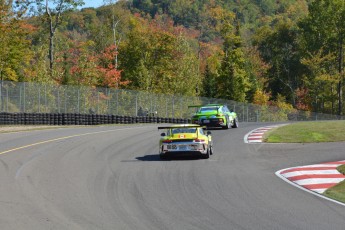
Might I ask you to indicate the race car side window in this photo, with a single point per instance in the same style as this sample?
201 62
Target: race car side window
201 131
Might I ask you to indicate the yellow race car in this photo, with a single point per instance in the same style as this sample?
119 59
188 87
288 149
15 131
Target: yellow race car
185 140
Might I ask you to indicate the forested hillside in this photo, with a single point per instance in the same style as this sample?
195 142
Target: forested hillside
285 53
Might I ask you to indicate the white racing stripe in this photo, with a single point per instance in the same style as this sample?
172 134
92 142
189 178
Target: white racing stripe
318 181
315 191
309 172
255 136
322 165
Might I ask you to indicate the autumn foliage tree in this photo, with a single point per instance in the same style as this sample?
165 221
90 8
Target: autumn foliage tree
15 52
158 57
111 76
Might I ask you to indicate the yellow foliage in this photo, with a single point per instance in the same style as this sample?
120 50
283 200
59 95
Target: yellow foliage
261 98
282 104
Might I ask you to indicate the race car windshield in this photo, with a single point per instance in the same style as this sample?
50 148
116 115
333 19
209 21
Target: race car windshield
205 109
183 130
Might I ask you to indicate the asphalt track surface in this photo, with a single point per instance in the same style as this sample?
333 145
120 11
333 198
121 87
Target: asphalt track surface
111 178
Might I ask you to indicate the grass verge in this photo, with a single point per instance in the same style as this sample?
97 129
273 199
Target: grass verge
308 132
337 192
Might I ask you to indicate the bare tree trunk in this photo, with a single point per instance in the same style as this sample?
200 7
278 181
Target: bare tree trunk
54 21
51 48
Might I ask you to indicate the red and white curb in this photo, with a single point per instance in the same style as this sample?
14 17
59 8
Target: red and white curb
256 135
315 179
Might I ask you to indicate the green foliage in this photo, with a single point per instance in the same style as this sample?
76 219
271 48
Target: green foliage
159 60
224 49
280 49
15 53
322 39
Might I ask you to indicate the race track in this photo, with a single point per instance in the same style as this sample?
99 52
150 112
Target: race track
111 178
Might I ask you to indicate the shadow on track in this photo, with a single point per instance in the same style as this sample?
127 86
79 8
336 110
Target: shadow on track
155 157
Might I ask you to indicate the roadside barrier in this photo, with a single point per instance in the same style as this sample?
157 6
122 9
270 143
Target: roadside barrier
80 119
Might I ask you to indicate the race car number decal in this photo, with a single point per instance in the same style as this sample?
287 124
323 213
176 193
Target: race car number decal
182 136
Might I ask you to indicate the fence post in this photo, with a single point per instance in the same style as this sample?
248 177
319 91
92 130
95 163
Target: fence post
117 101
136 104
65 101
247 113
24 98
58 99
39 98
45 99
243 113
166 107
173 107
78 100
20 99
1 98
7 95
97 102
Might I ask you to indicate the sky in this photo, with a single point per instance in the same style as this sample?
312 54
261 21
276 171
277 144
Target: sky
92 3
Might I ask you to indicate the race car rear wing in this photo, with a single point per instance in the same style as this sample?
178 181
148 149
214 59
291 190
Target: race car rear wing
216 106
205 105
195 106
179 127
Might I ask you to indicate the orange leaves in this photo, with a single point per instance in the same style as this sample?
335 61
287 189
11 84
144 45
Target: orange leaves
111 76
302 100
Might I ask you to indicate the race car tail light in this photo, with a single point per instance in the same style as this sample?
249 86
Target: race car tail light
167 141
199 140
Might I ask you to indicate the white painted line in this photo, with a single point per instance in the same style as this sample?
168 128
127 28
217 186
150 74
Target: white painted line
309 172
320 190
65 137
321 165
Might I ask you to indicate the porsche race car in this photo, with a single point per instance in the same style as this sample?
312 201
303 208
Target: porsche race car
185 140
215 115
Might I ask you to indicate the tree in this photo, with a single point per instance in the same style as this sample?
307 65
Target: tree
233 79
158 57
322 80
111 75
15 51
279 48
324 30
53 12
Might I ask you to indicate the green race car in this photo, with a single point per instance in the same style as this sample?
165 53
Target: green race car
215 115
185 140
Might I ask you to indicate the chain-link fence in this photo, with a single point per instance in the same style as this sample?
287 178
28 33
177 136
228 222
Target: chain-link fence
23 97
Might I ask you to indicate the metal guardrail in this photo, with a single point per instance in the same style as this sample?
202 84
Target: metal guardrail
29 97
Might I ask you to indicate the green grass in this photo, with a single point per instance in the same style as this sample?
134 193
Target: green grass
312 132
337 192
308 132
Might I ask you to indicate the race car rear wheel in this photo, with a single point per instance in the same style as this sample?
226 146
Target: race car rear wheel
227 126
235 124
211 150
207 155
